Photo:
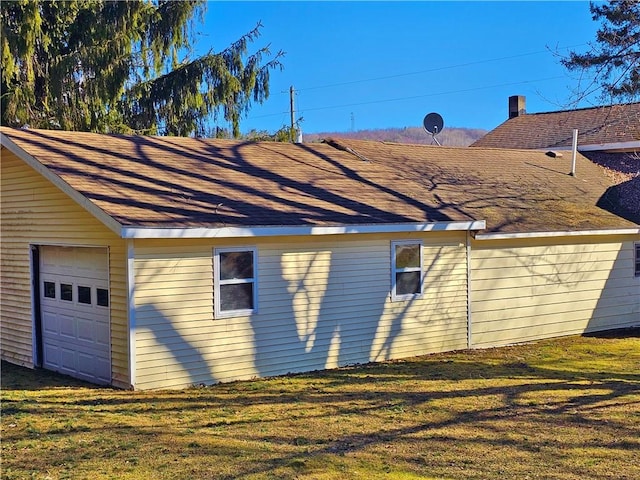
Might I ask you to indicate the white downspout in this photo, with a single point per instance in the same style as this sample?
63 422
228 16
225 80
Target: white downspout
36 361
574 152
131 308
468 246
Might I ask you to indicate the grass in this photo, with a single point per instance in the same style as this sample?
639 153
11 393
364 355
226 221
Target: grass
567 408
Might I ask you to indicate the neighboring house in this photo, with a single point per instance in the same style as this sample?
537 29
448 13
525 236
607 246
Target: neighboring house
149 262
607 135
612 128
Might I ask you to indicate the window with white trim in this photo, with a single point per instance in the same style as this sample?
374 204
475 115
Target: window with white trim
637 258
235 281
406 270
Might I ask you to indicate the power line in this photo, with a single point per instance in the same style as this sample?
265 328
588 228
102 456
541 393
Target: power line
419 72
451 92
436 94
478 62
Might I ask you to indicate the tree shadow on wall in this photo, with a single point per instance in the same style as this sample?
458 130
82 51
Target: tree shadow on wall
167 355
333 309
326 314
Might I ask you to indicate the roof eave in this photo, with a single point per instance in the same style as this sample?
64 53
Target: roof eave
569 233
83 201
299 230
633 145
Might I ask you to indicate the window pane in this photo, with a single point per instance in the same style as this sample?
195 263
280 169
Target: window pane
407 283
407 256
102 295
66 292
84 295
50 289
236 297
236 265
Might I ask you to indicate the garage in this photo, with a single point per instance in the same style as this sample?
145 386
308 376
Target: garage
74 333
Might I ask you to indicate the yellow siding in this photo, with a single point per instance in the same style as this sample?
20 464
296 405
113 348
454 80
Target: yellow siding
525 290
35 212
322 303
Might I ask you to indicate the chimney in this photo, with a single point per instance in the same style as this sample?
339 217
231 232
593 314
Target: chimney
517 106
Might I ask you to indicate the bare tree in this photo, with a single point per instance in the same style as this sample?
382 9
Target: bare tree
612 64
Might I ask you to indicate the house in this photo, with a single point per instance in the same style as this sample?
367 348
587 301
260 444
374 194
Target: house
161 262
608 135
610 128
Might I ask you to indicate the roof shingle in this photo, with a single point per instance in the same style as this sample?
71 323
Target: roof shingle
177 182
596 126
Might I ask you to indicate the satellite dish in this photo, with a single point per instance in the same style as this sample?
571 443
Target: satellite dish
433 123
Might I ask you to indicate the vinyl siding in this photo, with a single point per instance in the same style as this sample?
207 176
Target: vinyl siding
525 290
35 212
321 304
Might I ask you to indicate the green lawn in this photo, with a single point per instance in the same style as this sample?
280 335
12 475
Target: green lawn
558 409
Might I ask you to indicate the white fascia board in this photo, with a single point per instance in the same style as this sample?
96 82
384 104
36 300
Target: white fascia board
595 147
83 201
506 236
239 232
635 145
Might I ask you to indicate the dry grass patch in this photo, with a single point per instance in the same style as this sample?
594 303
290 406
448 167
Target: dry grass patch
564 409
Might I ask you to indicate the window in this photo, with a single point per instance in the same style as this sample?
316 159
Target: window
84 295
102 295
406 270
235 281
66 292
50 289
637 257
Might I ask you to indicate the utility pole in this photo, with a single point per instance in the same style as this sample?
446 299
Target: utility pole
292 131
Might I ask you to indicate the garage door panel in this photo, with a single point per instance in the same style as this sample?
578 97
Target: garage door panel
103 370
93 368
51 356
76 329
91 265
103 334
86 363
86 330
68 361
50 323
67 327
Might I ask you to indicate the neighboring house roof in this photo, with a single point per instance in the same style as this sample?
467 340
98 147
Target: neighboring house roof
186 183
602 128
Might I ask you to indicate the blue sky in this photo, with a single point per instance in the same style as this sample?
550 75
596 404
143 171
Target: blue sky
363 65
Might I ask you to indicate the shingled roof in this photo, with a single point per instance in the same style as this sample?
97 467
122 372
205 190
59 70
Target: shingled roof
171 182
605 125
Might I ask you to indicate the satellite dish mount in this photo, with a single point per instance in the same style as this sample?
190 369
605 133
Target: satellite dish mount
433 124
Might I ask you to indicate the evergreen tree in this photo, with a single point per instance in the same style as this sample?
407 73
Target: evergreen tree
123 66
615 59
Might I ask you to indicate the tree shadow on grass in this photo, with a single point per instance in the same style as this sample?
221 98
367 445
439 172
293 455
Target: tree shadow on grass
633 332
15 377
571 401
424 403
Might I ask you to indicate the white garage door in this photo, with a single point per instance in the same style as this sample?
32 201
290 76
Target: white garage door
74 306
